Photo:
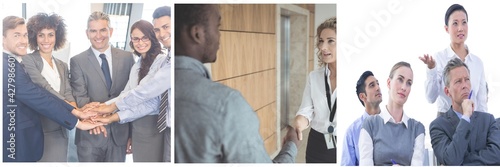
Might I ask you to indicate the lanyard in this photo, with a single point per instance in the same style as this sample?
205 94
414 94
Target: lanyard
328 98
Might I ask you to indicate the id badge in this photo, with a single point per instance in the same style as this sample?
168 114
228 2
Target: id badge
330 141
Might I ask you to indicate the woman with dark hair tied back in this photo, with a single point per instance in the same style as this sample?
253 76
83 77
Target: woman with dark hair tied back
47 33
456 25
317 110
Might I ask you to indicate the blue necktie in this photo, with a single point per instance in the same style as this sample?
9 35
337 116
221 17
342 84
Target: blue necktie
105 71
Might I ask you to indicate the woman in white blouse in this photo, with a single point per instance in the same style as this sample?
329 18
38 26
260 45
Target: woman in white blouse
318 101
47 33
456 25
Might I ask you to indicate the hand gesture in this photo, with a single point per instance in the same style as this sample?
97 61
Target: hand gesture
467 107
427 59
90 105
104 109
97 130
291 135
301 123
82 114
106 118
86 125
129 146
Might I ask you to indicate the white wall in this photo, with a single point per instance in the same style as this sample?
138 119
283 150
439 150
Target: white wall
75 16
374 35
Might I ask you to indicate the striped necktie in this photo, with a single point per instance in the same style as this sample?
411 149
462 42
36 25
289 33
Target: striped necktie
162 116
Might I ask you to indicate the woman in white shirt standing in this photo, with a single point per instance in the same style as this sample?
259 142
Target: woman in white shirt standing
47 33
456 25
319 99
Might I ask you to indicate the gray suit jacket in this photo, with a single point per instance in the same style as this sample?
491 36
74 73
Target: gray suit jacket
89 85
458 142
33 64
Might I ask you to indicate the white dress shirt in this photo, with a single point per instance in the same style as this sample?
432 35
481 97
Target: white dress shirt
314 104
51 74
434 84
366 148
109 58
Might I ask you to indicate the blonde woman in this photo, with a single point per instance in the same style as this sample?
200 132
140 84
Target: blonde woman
318 101
391 137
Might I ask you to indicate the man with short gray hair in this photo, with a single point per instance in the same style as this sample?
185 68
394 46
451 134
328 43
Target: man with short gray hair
463 136
99 74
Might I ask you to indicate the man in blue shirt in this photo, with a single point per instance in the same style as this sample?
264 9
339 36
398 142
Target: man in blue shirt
368 91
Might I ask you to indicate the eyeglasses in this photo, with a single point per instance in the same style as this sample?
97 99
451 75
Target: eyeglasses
137 39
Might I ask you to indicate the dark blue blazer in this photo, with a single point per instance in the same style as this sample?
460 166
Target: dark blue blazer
22 130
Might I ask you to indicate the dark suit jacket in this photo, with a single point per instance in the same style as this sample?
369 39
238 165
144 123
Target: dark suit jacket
33 64
88 85
21 122
458 142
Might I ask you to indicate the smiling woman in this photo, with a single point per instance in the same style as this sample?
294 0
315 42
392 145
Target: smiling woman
47 33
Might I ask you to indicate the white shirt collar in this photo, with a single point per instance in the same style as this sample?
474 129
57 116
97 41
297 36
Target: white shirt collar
388 118
18 58
107 52
451 54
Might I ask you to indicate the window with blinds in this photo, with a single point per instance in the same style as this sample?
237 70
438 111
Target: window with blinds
120 9
119 14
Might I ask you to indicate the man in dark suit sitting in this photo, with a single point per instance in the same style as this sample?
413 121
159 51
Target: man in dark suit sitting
463 136
23 101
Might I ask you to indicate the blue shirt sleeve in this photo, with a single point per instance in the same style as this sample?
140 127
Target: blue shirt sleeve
154 87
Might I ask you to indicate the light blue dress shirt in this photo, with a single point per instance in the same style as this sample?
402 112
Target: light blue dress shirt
130 109
350 151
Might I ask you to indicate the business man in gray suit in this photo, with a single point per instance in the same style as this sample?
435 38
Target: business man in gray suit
97 75
463 136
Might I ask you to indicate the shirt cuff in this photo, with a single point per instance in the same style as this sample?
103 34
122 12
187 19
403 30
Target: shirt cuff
125 116
121 105
76 125
466 118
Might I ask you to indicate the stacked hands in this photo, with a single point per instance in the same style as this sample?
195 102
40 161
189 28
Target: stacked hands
93 116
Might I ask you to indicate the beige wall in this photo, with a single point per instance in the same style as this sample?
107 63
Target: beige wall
247 62
312 30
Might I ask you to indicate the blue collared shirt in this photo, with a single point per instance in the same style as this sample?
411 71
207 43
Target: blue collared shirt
350 153
140 104
459 115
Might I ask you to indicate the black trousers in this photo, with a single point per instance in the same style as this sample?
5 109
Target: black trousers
317 152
